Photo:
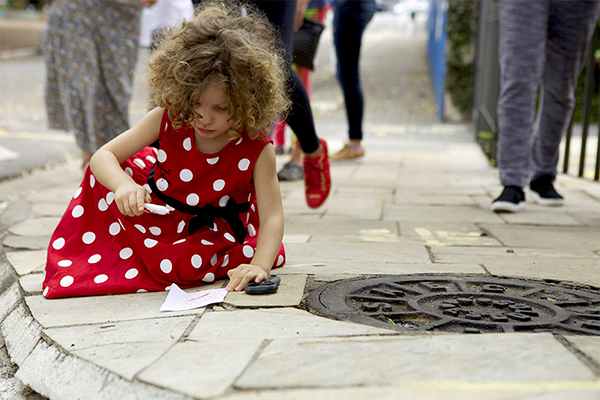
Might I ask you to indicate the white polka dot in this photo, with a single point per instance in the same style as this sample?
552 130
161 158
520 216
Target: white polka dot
100 278
125 253
229 237
248 251
110 197
150 243
218 185
129 171
239 141
279 260
45 293
187 144
139 163
209 277
196 261
147 187
67 281
155 230
186 175
249 196
142 291
251 230
65 263
225 260
179 241
252 207
162 184
180 226
121 223
77 192
244 164
58 243
132 273
92 180
151 159
192 199
162 156
140 228
223 201
114 228
214 228
166 126
102 205
206 242
94 259
88 237
214 259
212 161
166 266
77 211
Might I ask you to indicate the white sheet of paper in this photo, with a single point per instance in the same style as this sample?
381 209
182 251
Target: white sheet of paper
178 300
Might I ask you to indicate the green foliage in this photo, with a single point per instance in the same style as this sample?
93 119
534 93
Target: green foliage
580 91
460 52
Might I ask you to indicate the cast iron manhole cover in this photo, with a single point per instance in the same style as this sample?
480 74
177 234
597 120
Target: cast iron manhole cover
459 304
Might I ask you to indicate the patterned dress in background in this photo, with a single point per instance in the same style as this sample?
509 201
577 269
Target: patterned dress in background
90 48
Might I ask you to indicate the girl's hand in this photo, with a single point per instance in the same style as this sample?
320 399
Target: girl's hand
240 276
130 198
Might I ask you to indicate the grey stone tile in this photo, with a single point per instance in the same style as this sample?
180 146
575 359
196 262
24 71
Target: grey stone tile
61 195
32 283
345 230
350 269
447 234
404 251
572 238
279 323
533 215
289 294
515 251
100 309
211 367
416 198
124 347
26 242
49 209
439 214
9 297
591 394
589 345
328 363
20 332
35 227
25 262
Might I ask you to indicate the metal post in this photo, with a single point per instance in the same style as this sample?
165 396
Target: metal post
587 99
568 147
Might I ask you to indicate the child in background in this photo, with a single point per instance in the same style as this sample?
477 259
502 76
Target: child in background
190 211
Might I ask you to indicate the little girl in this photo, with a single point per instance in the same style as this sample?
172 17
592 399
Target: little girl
190 211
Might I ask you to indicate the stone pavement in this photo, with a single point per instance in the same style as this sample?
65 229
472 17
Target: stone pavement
413 208
419 205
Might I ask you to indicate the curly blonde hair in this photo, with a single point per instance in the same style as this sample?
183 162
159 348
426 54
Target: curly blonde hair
231 44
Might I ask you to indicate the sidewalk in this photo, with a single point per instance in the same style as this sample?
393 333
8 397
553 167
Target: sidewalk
413 208
420 205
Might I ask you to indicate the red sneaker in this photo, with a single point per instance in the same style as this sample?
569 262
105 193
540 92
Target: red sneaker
317 179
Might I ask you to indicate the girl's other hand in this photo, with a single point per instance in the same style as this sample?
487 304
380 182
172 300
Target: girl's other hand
130 199
239 277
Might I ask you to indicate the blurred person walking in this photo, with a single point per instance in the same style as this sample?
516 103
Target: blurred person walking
350 19
90 50
542 45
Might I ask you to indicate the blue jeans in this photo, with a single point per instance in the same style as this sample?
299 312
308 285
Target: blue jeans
350 18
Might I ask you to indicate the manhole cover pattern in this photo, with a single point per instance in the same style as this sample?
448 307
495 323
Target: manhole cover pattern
459 304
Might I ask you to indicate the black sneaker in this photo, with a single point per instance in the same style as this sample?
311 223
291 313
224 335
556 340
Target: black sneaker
290 172
512 199
543 192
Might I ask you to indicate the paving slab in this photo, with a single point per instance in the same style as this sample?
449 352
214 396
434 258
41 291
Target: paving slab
447 234
277 323
552 216
589 345
345 231
124 347
50 210
351 362
21 333
380 252
32 283
100 309
25 262
43 226
211 367
392 212
347 269
572 238
289 294
26 242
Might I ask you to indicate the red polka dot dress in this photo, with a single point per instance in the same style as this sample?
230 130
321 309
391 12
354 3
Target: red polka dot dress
97 250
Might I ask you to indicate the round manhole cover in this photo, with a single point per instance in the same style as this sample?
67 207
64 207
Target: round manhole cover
459 304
